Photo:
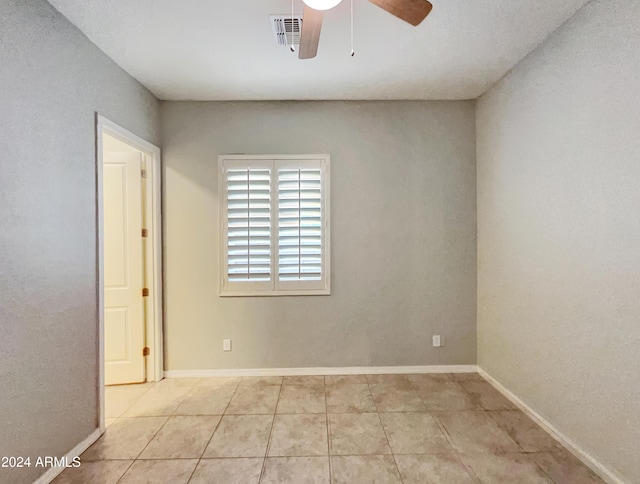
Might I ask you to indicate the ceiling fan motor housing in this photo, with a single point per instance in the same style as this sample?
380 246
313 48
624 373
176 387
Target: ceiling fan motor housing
321 4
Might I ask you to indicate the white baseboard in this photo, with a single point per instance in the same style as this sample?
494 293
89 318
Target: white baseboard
54 472
605 473
350 370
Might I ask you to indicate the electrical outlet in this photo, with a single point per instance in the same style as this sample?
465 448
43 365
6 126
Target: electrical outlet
437 342
226 344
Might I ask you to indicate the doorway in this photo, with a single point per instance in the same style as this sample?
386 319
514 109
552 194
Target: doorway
129 259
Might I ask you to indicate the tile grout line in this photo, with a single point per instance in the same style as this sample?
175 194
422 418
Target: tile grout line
143 449
221 417
488 413
448 436
235 390
385 432
393 456
468 469
168 417
371 394
214 430
326 416
166 421
118 417
132 403
266 451
437 421
545 472
125 472
184 399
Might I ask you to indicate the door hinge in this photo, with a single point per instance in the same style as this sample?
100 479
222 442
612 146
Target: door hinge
146 351
145 292
145 233
143 173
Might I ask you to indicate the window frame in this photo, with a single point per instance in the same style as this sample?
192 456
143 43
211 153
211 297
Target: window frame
274 287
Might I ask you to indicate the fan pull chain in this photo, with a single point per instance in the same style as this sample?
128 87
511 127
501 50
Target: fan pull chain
353 52
292 47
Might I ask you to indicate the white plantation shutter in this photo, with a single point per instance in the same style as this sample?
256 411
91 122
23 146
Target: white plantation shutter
300 227
248 227
275 227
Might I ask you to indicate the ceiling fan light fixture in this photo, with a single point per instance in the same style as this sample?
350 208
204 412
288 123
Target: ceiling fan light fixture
321 4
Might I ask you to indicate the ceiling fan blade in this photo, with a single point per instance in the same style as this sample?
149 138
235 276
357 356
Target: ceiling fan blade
412 11
310 35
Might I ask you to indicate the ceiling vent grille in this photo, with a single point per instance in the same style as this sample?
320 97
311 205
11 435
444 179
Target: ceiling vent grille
286 29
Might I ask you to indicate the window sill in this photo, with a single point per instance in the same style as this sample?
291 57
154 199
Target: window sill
306 292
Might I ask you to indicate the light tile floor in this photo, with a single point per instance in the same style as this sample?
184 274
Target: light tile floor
444 428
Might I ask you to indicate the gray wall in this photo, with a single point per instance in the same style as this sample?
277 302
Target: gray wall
403 227
559 232
52 80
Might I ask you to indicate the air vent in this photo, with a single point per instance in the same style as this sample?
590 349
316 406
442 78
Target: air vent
286 29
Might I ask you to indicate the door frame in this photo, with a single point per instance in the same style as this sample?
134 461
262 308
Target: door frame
153 266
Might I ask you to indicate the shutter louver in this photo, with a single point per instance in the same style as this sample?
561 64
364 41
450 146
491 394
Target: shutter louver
300 225
249 225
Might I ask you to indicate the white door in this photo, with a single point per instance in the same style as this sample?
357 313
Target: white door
124 318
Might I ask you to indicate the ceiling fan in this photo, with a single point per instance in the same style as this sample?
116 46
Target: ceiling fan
411 11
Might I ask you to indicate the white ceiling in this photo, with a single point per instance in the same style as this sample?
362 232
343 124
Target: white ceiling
225 49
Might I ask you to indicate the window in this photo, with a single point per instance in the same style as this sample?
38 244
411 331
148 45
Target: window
275 225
